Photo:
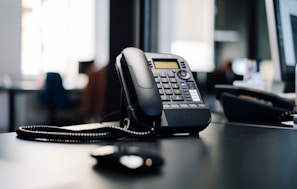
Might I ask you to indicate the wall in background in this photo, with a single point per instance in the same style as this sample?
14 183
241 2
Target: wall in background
10 37
10 49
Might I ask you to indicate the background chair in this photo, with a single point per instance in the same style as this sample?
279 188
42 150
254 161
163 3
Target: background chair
93 98
54 96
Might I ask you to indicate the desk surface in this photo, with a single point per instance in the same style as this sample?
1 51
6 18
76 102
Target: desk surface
225 156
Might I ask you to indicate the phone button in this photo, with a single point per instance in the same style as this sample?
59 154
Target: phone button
183 74
194 95
173 80
174 86
184 105
165 98
177 98
168 91
171 75
177 91
193 105
164 80
174 106
183 85
166 105
166 86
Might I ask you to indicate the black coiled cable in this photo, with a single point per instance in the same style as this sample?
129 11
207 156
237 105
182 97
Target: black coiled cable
66 134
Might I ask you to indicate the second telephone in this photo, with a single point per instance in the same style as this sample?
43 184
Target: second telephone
242 104
159 92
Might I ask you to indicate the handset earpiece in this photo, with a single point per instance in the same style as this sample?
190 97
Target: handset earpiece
147 99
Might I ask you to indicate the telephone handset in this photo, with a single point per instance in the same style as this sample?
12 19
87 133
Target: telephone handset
160 97
159 92
143 91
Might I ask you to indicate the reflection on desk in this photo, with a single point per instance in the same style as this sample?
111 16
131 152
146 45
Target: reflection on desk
225 156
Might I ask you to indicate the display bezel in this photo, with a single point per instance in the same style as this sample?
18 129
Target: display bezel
165 64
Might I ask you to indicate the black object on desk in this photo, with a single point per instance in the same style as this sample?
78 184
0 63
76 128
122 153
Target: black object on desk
250 105
128 159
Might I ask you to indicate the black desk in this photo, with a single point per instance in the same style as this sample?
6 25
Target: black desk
225 156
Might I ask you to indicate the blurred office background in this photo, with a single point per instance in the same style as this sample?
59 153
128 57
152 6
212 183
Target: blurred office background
41 36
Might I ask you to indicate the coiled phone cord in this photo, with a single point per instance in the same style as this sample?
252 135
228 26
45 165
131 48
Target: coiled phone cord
66 134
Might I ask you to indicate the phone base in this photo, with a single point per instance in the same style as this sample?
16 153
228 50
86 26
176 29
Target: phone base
172 121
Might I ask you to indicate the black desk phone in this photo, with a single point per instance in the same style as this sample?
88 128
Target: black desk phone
160 93
242 104
159 97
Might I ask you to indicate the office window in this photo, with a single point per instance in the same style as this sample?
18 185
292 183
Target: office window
56 35
186 28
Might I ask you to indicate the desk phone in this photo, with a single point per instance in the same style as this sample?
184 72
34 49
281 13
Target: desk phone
160 92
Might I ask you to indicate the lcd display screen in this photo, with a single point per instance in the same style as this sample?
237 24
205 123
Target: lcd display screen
166 64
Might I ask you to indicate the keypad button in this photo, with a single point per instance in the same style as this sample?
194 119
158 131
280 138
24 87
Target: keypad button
166 86
188 97
177 98
174 86
183 85
171 75
168 91
177 91
165 98
191 85
162 74
164 80
161 91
